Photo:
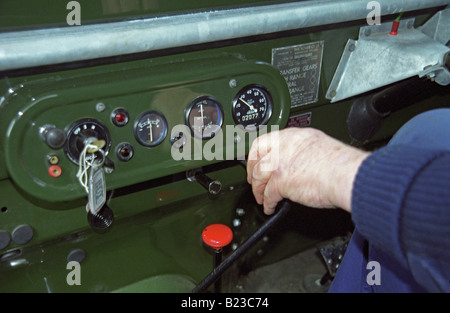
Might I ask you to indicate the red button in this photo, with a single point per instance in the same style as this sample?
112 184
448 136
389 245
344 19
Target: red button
217 236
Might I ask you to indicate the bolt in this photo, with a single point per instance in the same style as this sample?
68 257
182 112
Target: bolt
239 287
410 24
108 170
100 107
240 212
232 83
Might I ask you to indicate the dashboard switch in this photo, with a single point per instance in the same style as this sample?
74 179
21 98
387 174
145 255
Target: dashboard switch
53 137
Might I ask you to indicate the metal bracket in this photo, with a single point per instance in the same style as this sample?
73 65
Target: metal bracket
438 27
333 252
378 59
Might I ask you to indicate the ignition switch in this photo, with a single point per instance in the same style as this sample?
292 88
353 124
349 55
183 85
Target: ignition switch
82 132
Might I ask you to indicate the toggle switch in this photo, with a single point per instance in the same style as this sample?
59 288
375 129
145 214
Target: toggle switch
217 236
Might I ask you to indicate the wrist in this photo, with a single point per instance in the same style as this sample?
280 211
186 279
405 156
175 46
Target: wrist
346 167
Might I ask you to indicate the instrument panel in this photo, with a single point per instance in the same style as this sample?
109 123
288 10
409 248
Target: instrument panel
145 123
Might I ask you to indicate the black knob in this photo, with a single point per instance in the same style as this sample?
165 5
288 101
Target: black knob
55 138
101 221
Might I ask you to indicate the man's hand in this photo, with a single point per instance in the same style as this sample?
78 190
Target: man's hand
303 165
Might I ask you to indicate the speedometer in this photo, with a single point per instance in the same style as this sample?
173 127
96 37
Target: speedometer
252 107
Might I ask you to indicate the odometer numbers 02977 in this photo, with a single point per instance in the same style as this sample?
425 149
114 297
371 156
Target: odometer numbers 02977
252 107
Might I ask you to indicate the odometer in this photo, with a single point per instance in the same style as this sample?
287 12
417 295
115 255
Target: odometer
252 107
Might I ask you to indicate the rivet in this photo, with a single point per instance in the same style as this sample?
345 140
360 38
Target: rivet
100 107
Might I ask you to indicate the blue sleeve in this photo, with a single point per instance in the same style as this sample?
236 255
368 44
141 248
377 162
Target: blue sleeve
401 204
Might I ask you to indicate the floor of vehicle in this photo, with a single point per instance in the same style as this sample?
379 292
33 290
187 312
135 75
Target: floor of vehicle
300 273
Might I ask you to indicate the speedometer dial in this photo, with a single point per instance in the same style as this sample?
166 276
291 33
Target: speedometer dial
252 107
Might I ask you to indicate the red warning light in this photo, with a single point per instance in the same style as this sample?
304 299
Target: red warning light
119 117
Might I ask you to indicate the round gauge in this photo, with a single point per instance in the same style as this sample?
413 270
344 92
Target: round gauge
252 107
204 117
150 128
86 131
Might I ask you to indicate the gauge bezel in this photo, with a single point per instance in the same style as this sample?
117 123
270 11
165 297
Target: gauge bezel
189 109
269 109
69 144
155 142
119 111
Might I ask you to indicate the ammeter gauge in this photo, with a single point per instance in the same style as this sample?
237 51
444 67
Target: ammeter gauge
150 128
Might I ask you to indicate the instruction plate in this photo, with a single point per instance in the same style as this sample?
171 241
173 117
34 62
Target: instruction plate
300 65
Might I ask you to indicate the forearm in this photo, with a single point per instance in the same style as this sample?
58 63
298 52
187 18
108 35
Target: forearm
401 203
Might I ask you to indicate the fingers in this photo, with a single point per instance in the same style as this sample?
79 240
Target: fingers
261 164
259 179
271 196
265 188
258 150
265 148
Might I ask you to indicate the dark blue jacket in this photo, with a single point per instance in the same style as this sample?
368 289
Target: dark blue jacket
401 211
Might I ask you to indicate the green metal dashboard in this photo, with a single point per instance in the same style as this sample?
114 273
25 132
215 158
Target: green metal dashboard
137 108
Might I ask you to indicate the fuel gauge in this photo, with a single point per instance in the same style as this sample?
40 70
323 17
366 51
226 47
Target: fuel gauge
150 128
